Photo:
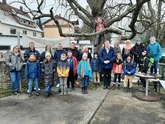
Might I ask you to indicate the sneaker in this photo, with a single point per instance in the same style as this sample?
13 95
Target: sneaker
74 89
108 88
30 94
61 93
17 92
104 87
38 88
64 93
37 93
57 85
13 93
28 91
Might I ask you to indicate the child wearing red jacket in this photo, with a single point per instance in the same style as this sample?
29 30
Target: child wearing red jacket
99 25
117 70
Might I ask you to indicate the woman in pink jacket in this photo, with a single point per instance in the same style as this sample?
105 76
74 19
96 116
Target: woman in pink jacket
117 70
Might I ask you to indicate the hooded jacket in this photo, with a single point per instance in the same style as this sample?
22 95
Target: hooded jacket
111 56
57 55
129 67
32 70
137 51
74 62
63 68
155 51
48 68
76 54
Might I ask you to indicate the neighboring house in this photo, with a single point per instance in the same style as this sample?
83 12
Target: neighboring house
51 30
13 20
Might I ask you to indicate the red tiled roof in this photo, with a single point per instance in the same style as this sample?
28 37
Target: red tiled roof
8 8
59 17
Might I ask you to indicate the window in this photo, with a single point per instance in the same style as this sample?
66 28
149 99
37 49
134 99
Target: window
24 32
12 31
34 34
4 47
23 48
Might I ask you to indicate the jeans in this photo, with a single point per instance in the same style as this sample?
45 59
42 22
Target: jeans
63 86
154 67
84 81
15 79
97 38
31 83
48 88
107 76
117 75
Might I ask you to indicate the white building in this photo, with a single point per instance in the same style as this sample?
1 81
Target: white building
13 20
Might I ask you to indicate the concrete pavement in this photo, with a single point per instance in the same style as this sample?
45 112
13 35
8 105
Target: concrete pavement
75 108
97 107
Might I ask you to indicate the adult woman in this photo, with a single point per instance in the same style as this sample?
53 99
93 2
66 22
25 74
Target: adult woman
85 50
15 62
126 49
117 48
47 49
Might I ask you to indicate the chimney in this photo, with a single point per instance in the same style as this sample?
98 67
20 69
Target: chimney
21 8
4 1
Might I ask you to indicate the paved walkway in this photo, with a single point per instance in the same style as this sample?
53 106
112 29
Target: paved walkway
75 108
97 107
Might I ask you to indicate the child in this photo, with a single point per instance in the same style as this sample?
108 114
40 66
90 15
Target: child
73 67
96 69
143 66
99 25
63 72
48 67
129 68
117 70
84 71
32 72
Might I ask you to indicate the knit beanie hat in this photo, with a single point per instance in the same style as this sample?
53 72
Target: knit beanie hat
138 39
84 55
31 53
127 41
47 54
96 53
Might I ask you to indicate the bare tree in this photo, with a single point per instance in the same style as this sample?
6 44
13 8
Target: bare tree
154 18
111 10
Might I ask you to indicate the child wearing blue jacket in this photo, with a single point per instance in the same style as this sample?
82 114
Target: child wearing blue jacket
96 69
129 68
84 72
32 72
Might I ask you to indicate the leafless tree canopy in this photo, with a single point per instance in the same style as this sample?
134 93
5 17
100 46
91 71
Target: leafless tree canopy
112 11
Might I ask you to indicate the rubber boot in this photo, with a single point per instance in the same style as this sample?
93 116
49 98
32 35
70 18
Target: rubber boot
130 89
86 90
83 90
125 89
46 95
118 87
114 87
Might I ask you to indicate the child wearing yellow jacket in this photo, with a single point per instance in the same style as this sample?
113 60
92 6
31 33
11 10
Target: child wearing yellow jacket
63 72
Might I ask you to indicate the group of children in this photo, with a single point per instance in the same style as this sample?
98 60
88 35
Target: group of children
68 67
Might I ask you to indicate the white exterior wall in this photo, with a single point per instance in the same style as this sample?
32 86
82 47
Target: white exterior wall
5 30
12 41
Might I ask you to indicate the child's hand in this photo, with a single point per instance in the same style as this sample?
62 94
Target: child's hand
63 75
129 72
